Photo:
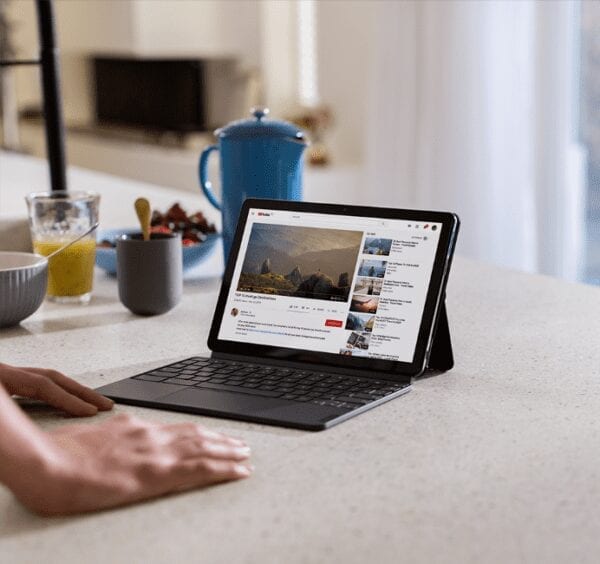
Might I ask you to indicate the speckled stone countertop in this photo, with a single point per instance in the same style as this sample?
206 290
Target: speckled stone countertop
495 461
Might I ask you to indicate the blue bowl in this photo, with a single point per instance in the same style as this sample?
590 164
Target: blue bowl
106 258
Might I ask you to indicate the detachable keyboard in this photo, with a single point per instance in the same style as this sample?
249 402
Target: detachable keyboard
322 388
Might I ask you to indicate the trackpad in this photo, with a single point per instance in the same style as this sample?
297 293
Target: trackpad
138 390
223 402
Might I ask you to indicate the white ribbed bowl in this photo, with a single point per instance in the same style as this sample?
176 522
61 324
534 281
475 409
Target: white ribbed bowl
23 283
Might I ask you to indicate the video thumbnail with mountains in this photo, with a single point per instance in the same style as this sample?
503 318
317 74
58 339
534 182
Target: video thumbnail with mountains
377 246
304 262
360 322
373 268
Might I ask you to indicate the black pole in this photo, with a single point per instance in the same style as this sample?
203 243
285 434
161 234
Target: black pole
55 131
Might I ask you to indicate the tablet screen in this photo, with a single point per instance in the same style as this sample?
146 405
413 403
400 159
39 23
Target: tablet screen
346 285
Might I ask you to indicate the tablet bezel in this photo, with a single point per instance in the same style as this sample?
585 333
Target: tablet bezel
396 369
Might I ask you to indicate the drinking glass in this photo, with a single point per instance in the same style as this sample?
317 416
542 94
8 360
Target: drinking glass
55 218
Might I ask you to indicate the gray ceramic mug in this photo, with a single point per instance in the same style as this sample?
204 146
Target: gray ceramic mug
150 273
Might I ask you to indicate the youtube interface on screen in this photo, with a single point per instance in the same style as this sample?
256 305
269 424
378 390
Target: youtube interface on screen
336 284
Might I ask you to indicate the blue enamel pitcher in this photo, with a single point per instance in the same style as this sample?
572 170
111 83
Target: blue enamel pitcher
260 158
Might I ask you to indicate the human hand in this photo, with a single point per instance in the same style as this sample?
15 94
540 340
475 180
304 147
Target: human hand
125 459
54 388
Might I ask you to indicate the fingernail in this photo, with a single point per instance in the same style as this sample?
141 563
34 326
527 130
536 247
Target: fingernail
243 451
108 404
238 442
244 470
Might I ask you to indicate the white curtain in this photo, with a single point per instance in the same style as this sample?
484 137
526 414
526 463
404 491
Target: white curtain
472 109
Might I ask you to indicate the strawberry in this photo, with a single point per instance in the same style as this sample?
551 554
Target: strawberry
160 229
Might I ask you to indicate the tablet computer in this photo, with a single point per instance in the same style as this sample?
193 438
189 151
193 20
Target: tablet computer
348 286
325 311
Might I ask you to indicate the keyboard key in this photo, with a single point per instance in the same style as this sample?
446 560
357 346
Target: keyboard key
180 381
150 378
326 402
353 400
160 373
368 397
184 376
226 370
241 389
245 370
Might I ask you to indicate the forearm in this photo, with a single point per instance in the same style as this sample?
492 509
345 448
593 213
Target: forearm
24 448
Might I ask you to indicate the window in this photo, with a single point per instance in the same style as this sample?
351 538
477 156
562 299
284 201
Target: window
590 133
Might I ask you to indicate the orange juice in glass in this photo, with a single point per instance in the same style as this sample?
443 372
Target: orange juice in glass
56 218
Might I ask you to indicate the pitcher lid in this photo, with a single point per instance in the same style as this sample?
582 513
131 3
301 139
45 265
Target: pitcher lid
259 126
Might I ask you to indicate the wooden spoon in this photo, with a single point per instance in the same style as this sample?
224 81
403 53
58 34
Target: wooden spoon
142 209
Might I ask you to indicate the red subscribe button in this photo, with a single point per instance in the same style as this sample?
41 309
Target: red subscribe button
333 323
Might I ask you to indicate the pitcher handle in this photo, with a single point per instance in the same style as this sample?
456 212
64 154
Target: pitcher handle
205 183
